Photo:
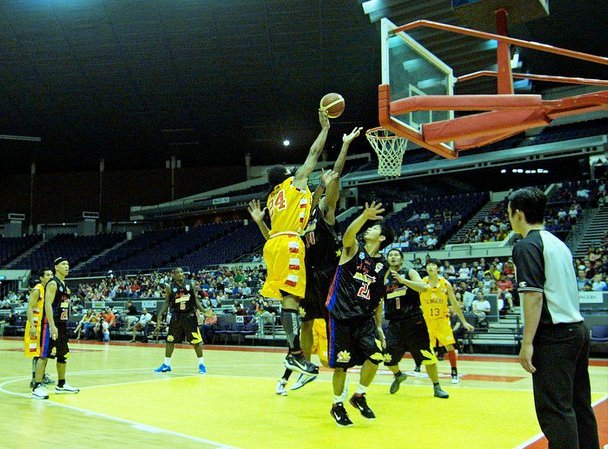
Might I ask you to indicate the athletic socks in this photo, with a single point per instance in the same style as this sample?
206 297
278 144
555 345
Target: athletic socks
61 383
452 357
286 375
167 361
361 389
291 325
201 361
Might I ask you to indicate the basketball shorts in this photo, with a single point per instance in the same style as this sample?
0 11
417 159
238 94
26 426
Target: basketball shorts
319 337
286 272
32 345
312 306
411 335
353 341
51 349
184 327
441 330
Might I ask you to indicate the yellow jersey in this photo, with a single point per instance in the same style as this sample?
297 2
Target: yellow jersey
434 301
32 347
289 208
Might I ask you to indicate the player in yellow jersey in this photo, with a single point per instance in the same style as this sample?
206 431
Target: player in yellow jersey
434 303
31 338
289 205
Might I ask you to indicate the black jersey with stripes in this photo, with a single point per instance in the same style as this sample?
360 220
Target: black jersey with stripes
400 301
181 298
322 244
61 301
357 287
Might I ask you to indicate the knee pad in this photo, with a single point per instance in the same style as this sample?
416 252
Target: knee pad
62 359
291 324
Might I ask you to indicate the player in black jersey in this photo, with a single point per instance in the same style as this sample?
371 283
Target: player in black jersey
322 254
54 333
181 297
407 329
355 311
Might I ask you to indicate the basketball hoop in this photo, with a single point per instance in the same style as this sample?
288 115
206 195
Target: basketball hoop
389 148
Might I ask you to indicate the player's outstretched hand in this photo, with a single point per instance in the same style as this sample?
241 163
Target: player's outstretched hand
323 119
348 138
329 176
256 211
373 211
469 327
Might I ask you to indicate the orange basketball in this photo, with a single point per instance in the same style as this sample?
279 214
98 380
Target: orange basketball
333 104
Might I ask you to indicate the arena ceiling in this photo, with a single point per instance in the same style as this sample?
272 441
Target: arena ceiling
135 81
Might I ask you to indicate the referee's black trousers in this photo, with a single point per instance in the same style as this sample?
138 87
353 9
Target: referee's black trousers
562 393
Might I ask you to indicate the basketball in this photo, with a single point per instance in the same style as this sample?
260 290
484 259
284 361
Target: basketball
333 104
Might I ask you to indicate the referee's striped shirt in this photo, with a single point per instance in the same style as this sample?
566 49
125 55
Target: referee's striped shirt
543 263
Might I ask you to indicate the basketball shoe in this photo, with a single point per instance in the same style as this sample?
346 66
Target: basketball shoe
162 369
397 382
300 364
359 402
339 413
302 380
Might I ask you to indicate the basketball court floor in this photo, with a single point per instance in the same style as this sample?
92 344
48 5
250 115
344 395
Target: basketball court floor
123 403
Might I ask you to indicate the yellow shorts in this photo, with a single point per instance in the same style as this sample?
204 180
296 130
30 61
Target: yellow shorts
32 346
284 257
441 330
319 345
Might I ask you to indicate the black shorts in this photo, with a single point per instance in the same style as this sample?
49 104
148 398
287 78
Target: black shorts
317 287
351 342
184 327
412 335
51 349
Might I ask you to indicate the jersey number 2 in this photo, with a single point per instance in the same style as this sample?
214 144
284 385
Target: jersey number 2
364 291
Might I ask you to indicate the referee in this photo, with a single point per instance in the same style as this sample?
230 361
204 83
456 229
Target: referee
555 346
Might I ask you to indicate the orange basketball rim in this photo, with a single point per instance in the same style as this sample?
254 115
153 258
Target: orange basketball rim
505 114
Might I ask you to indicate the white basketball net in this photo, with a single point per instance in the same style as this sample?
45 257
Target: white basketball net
389 148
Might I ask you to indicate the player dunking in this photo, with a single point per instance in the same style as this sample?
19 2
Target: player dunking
33 326
289 204
54 333
180 296
355 311
322 253
407 330
434 302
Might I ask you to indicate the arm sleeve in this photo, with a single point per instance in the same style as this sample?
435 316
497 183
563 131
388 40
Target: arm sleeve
529 270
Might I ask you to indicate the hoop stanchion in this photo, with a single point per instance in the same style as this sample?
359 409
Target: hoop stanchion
390 149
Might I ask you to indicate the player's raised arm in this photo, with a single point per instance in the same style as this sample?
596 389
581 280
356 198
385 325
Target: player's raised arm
257 215
302 173
332 193
349 239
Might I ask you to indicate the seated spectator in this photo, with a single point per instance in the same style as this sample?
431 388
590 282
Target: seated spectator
209 324
130 314
505 284
80 326
599 284
263 316
481 308
141 324
581 280
464 272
